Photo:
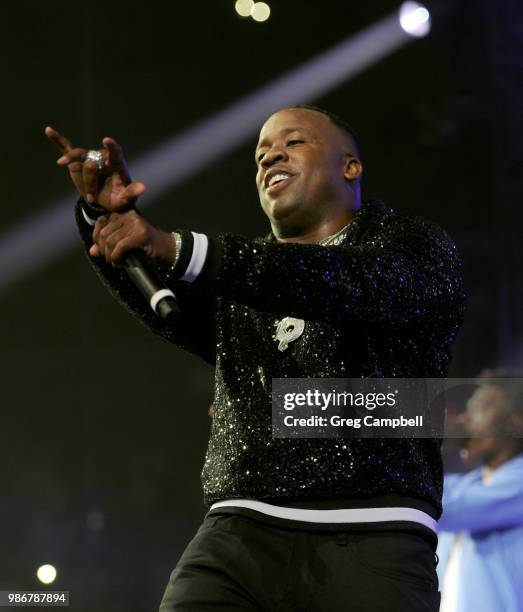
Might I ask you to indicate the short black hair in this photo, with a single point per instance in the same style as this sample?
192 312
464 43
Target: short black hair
508 380
337 120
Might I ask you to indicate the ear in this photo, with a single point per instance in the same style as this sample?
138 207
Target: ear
352 169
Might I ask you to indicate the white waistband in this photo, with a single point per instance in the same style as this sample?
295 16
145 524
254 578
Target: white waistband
346 515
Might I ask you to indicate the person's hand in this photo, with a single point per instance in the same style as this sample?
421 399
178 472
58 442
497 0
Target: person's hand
117 233
111 187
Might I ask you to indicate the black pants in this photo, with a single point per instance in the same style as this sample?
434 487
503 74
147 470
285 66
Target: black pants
237 563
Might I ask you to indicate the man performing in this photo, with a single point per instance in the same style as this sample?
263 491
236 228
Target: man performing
481 529
336 289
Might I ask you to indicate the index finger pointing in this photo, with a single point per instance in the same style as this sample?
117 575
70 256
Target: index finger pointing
56 138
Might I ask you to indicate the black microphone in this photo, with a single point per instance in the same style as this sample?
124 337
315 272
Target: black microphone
161 299
139 269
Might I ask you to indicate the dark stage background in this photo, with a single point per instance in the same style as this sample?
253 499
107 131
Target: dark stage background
104 426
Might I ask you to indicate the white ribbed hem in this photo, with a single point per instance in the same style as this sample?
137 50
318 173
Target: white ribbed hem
88 218
199 253
346 515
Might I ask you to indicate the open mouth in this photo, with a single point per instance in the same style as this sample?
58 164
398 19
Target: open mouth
278 182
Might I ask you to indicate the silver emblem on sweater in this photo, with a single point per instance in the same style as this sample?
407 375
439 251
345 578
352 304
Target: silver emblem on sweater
289 329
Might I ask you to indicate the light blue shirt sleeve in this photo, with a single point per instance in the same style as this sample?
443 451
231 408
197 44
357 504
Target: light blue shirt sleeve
470 504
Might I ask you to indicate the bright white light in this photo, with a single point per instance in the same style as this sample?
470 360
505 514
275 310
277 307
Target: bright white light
244 7
415 19
260 11
46 574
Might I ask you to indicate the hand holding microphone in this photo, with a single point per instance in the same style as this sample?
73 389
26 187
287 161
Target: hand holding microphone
121 235
127 239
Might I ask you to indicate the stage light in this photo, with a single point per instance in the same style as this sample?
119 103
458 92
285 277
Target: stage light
260 11
415 19
244 7
32 243
46 574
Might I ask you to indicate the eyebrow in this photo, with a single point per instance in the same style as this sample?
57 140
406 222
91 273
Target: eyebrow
282 132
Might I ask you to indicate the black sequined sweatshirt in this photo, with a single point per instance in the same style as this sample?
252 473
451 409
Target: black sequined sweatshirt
387 302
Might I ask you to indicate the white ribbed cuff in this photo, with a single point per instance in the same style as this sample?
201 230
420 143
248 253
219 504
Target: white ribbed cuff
88 218
198 256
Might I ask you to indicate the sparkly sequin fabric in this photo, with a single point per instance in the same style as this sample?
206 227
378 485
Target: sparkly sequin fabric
386 300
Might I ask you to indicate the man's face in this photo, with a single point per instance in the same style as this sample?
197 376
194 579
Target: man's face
302 166
485 420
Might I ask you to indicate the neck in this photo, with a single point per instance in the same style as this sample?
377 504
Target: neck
506 454
312 234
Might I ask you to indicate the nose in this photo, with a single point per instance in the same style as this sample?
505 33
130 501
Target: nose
275 154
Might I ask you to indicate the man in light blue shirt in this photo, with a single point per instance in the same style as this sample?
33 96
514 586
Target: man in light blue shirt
481 529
